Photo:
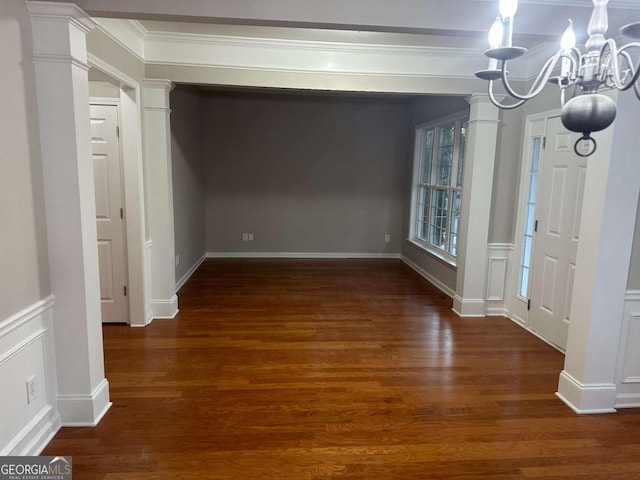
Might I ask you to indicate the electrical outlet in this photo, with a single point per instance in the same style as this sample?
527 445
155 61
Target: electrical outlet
387 238
32 391
177 260
245 237
251 237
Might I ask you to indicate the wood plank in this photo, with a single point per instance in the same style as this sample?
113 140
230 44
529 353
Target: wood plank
325 369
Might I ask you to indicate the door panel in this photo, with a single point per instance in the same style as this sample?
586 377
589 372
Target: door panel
556 240
109 221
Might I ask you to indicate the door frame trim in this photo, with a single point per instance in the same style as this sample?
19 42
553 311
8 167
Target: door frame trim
131 160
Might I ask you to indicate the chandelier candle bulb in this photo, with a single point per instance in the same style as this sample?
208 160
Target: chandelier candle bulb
508 9
495 40
567 42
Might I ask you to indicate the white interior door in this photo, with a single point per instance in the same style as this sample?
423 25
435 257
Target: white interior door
557 234
109 213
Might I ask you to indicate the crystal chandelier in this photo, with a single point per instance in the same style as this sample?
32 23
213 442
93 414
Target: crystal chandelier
603 66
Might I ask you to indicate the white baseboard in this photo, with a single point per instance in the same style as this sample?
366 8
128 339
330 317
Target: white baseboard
499 311
329 255
430 278
165 308
628 400
469 307
36 435
180 283
586 398
85 410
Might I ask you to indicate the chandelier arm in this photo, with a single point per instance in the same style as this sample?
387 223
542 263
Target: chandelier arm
618 81
612 65
538 84
502 106
635 70
629 60
575 55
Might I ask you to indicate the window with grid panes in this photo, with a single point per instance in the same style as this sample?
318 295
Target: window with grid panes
439 169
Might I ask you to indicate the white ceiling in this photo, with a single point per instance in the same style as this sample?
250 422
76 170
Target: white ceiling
537 20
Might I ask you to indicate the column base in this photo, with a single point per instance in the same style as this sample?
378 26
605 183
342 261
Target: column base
84 410
586 399
165 308
468 307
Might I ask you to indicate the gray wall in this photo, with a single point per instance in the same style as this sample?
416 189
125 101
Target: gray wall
506 177
23 251
187 169
304 173
425 110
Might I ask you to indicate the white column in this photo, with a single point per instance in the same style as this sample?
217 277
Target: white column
469 300
157 143
587 383
61 70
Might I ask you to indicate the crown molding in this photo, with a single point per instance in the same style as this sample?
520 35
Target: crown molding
124 34
303 56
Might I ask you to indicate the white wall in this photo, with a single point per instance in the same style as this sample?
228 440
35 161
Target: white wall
188 179
26 347
304 173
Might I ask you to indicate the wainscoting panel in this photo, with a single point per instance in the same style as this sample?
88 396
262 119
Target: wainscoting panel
29 417
498 258
628 378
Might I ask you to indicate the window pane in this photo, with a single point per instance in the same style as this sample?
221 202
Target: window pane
427 157
436 237
455 224
524 282
457 200
526 257
535 161
462 146
447 135
421 230
527 244
443 165
531 215
453 244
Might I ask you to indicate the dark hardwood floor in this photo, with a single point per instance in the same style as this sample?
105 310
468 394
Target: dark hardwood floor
325 369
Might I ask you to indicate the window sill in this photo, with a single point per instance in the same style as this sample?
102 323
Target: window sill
432 252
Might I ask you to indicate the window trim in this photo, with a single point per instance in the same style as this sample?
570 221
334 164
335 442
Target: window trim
418 161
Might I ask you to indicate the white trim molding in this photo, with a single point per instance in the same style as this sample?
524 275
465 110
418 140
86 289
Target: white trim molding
469 307
475 211
586 398
148 245
335 255
430 278
628 369
304 56
124 33
85 410
165 309
499 257
180 283
28 334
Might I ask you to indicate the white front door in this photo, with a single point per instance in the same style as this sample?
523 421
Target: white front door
556 239
109 213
